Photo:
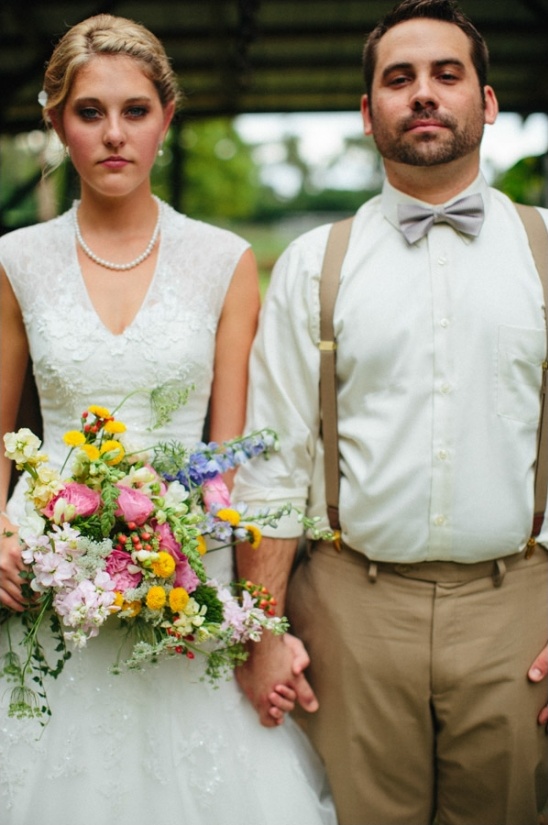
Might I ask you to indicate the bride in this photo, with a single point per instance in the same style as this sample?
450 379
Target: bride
119 293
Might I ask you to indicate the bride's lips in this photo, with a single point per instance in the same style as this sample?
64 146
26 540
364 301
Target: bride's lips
114 162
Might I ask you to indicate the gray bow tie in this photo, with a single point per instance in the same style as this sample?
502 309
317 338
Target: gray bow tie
466 215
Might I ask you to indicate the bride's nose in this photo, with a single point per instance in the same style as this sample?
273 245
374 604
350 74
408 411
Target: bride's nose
114 132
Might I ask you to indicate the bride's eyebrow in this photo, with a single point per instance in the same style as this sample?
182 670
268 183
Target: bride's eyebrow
95 101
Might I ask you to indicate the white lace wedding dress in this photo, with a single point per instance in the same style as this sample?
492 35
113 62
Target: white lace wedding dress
158 746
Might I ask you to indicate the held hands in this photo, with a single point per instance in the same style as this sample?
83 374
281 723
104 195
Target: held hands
11 566
537 672
273 679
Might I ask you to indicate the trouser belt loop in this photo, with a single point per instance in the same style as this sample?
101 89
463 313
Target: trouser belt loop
499 572
372 571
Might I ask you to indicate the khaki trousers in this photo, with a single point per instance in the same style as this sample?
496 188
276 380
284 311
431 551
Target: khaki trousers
420 671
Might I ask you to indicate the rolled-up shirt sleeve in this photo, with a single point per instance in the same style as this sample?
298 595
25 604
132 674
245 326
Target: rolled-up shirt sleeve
283 387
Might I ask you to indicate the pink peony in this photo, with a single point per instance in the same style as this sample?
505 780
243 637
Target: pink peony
215 491
117 566
167 540
86 502
133 505
184 574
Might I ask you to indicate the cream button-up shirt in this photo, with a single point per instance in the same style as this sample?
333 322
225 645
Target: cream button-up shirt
439 362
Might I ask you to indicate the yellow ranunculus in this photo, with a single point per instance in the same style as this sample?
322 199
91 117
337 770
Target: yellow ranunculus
91 451
74 438
99 412
113 427
114 447
202 546
164 565
117 603
254 535
133 608
156 598
230 515
178 599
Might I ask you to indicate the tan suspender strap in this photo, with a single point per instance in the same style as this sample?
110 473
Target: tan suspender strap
538 241
337 244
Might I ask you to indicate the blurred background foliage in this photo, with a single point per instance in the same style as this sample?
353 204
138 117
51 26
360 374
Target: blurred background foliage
210 172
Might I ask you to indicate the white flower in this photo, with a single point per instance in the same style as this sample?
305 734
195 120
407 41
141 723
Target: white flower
21 446
191 617
143 555
139 477
31 524
175 495
52 570
63 511
45 487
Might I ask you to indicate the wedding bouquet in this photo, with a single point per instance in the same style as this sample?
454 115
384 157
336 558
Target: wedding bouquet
121 540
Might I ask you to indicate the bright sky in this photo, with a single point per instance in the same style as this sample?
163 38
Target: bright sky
504 143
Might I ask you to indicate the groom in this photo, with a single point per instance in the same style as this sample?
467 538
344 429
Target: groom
427 629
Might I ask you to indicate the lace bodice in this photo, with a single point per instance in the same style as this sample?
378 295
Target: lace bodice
78 361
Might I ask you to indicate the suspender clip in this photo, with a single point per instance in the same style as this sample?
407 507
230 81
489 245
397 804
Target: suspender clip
531 545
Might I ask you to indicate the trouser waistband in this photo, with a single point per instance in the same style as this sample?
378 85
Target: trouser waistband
441 571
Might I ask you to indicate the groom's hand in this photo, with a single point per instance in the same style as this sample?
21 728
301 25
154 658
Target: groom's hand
273 678
283 698
537 672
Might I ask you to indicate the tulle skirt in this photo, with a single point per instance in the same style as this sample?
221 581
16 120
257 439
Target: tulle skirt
155 746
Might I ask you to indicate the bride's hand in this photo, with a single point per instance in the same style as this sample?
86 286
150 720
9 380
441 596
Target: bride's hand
282 700
270 673
11 566
284 697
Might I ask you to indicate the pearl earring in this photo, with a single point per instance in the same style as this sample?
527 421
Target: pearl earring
160 151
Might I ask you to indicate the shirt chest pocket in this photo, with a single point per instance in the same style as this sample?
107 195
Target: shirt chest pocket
521 353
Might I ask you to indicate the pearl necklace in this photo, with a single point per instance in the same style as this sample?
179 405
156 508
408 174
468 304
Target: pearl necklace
109 264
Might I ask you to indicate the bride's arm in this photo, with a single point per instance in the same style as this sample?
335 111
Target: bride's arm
235 333
14 353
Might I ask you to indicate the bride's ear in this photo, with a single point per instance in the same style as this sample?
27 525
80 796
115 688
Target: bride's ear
169 111
57 124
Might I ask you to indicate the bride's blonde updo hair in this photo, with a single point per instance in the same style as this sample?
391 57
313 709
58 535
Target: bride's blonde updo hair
100 35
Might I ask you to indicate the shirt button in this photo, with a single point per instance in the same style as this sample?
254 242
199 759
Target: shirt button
439 521
442 455
442 260
445 388
444 322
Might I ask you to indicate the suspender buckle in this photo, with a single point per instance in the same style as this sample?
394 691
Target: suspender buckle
327 346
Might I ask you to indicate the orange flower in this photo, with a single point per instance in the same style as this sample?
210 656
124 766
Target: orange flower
156 598
91 451
99 412
164 565
113 427
74 438
178 599
133 608
254 535
113 447
230 515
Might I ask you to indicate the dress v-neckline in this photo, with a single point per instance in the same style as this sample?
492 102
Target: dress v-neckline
89 301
